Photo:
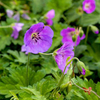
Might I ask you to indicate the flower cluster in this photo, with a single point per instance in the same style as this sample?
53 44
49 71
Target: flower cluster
17 15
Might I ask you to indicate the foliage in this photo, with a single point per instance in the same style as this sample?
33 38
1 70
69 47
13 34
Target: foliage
43 73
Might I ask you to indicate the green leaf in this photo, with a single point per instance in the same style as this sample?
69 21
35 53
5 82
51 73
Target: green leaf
89 19
79 49
36 95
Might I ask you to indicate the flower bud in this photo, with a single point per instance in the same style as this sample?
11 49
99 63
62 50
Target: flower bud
81 33
79 11
74 37
81 67
69 86
94 29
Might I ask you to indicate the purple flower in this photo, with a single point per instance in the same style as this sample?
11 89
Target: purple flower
9 13
38 39
16 28
25 16
89 6
49 16
62 54
83 71
17 16
67 36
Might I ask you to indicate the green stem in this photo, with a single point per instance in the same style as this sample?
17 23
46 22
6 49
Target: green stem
75 58
46 53
27 78
5 26
87 35
4 5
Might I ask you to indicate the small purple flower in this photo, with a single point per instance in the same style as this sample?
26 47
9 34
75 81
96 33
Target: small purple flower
62 54
17 16
9 13
67 36
16 28
89 6
49 16
38 39
25 16
83 71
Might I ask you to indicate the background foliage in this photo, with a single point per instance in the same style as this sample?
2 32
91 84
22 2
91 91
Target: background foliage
43 72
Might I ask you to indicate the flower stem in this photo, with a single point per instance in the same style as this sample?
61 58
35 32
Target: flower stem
27 78
75 58
4 5
5 26
84 89
87 35
46 53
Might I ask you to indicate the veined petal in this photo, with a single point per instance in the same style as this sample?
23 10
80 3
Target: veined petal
47 31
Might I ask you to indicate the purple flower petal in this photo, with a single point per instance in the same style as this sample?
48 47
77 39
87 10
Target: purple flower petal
89 6
16 29
50 14
9 13
79 39
18 26
16 17
67 34
15 34
25 16
46 30
49 22
83 71
62 54
96 32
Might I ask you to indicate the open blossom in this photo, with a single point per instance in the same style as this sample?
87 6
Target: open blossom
9 13
49 16
62 54
16 28
89 6
67 36
38 39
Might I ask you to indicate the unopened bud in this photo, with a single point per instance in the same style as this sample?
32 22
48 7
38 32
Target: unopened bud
80 65
81 33
94 29
74 37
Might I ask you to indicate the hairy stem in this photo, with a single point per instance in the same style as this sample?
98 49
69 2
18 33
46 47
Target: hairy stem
5 26
46 53
27 78
87 35
84 89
